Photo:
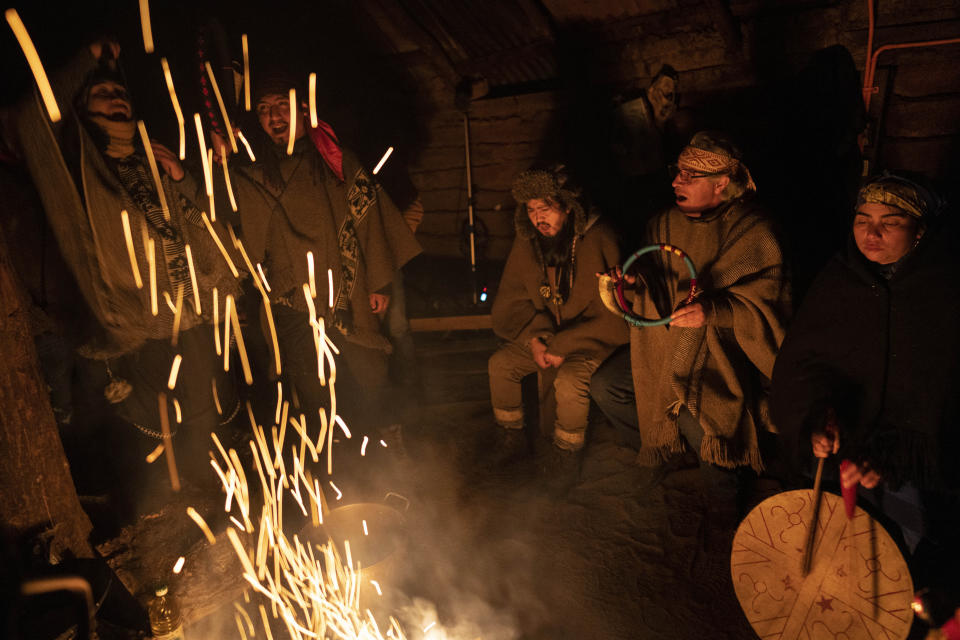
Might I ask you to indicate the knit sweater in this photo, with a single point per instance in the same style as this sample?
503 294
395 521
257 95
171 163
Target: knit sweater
719 371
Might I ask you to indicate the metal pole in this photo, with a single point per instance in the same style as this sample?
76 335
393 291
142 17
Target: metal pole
470 220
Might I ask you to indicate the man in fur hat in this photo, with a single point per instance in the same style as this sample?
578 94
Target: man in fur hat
549 311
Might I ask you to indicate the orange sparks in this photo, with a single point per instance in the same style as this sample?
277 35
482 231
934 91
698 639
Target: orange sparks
383 160
244 361
176 410
210 198
246 72
156 453
216 396
334 487
226 179
363 447
310 271
152 264
178 567
128 237
177 311
365 531
246 145
168 441
152 161
313 100
30 52
202 524
263 278
227 308
176 107
330 288
207 176
145 26
294 116
223 107
223 250
174 370
216 323
193 280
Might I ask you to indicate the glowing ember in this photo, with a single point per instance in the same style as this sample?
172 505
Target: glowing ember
193 280
174 370
152 161
313 100
178 567
176 107
207 175
196 517
156 453
330 288
313 281
246 144
128 237
152 264
177 412
30 52
383 160
294 116
223 250
145 26
263 278
246 76
363 446
223 107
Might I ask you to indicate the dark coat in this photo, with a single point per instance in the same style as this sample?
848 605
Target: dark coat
885 355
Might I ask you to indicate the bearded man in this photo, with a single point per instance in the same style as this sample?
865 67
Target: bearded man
317 199
549 311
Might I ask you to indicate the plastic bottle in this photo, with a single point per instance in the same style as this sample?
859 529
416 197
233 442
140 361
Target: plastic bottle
165 620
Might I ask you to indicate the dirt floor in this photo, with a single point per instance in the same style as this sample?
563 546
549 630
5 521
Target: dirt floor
503 554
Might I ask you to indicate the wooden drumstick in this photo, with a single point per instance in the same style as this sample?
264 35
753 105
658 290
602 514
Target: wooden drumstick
811 535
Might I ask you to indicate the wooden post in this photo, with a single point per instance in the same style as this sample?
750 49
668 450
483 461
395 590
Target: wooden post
36 488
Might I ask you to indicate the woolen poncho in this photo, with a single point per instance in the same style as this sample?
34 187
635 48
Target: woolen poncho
309 212
718 371
580 324
82 197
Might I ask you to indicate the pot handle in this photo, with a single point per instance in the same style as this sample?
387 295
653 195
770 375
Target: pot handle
406 501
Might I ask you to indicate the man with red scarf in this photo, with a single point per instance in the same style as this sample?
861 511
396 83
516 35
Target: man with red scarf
316 198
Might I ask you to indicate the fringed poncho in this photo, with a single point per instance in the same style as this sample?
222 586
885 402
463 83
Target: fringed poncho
720 371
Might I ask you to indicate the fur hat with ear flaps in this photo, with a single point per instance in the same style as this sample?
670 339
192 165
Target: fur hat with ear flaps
546 184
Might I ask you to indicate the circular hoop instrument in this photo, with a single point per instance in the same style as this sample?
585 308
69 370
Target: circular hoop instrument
858 585
611 288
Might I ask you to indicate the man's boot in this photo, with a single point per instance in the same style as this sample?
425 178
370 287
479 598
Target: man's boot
559 469
509 446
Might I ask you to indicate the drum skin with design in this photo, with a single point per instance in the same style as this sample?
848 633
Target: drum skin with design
858 587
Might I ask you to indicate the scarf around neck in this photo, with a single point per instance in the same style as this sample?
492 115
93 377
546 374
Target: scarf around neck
119 135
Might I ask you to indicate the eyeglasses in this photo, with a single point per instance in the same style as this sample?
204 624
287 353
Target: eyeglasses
688 175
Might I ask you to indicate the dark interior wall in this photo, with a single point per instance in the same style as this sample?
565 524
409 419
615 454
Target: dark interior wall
750 67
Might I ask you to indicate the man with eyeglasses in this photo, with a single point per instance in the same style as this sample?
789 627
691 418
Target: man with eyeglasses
698 384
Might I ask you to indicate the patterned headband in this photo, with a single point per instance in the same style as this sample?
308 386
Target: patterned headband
711 163
895 194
